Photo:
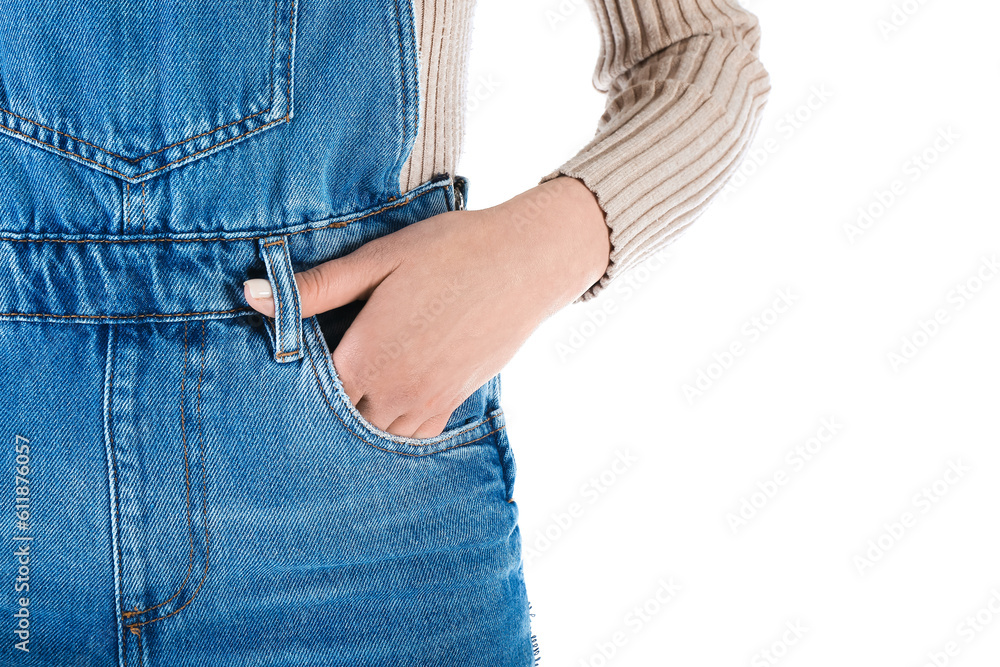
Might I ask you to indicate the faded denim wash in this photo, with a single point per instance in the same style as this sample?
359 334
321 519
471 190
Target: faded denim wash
188 483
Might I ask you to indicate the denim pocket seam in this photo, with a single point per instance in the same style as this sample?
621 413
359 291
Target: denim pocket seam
437 445
293 10
136 627
132 179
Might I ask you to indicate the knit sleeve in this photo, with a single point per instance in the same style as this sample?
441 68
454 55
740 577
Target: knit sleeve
685 94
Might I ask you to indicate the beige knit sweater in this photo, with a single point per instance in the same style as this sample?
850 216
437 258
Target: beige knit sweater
685 93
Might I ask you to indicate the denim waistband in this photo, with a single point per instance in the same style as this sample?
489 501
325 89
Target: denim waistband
95 279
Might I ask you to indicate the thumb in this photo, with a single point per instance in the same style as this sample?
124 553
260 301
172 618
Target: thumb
326 286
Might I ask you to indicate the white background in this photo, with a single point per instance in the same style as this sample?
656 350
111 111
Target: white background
619 392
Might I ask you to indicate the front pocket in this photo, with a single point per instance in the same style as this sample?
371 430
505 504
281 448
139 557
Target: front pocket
136 87
488 423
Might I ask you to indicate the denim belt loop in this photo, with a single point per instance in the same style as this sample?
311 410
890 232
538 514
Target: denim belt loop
285 328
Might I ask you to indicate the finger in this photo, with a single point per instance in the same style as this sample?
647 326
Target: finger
340 281
405 425
375 415
257 292
348 365
354 394
431 428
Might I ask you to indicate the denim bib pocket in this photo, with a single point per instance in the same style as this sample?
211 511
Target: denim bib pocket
137 87
459 431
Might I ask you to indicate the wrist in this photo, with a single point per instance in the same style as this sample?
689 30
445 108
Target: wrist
560 229
586 218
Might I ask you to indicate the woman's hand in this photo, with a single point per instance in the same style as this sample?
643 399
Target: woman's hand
451 298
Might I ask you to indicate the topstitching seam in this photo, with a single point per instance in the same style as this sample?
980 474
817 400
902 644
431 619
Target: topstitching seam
136 627
337 224
405 93
342 223
183 141
114 479
143 184
129 317
187 481
277 298
393 451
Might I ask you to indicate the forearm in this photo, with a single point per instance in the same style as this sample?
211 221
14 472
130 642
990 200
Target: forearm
686 92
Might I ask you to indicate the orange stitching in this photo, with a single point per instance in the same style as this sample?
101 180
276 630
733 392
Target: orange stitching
204 497
402 72
187 482
151 171
46 127
415 70
122 317
62 150
277 300
103 150
127 221
342 223
371 444
201 443
288 88
184 141
201 451
332 225
277 338
221 127
274 39
138 640
114 466
143 184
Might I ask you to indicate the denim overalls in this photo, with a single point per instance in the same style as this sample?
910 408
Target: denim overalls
188 485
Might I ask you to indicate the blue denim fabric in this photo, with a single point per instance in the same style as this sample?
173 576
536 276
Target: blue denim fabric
188 483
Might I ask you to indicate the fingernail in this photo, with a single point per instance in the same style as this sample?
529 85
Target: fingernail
258 288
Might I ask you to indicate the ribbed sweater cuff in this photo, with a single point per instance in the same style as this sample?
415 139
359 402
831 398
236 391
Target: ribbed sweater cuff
665 148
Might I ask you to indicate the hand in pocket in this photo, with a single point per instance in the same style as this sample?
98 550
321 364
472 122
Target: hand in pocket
449 299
